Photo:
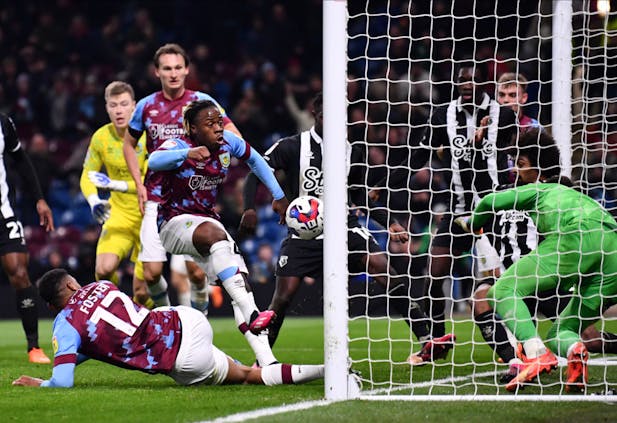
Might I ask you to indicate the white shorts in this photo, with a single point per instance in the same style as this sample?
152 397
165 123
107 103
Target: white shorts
487 258
151 248
198 361
178 264
177 238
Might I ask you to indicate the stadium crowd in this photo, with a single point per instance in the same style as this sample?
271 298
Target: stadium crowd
261 60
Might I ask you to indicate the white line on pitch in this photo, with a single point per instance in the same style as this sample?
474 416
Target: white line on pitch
271 411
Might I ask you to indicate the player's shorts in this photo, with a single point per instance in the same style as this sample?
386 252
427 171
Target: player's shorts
12 236
177 237
300 258
486 256
451 236
151 247
198 361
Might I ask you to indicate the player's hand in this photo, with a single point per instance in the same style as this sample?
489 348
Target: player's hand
198 153
102 181
46 219
465 223
101 211
142 197
398 233
27 381
280 207
481 131
373 195
248 222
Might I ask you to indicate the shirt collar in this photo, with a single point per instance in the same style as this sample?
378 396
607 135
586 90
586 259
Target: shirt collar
484 105
314 135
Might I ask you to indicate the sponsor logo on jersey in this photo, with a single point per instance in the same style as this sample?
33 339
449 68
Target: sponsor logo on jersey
201 182
163 131
225 159
312 181
153 112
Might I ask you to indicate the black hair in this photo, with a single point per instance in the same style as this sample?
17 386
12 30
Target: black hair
540 148
191 110
48 286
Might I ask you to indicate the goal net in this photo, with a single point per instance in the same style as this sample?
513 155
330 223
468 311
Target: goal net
390 66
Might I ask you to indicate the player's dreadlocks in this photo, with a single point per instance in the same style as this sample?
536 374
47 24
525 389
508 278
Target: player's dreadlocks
191 110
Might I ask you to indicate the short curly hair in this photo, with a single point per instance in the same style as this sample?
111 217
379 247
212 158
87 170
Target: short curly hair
540 148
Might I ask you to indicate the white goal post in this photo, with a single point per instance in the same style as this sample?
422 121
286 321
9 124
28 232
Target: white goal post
387 65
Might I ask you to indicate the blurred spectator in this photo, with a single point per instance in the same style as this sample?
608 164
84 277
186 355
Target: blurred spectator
262 269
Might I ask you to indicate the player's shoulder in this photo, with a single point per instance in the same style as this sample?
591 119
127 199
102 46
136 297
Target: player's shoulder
148 100
104 133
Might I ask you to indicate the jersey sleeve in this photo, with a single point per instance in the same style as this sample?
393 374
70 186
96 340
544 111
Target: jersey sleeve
11 141
238 147
280 156
136 124
92 162
170 155
66 342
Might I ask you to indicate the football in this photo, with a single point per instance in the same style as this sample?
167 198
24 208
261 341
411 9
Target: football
305 217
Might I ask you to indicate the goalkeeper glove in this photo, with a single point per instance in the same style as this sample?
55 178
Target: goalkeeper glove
102 181
101 209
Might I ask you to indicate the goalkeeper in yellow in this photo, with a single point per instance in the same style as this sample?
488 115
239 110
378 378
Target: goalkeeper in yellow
120 216
579 251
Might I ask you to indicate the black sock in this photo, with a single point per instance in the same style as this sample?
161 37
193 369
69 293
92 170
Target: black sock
410 310
275 327
27 308
494 333
437 308
609 342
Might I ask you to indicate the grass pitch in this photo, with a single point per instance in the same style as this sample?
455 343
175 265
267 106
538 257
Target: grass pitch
107 394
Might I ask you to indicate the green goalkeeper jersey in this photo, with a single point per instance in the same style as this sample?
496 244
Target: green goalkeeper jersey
554 208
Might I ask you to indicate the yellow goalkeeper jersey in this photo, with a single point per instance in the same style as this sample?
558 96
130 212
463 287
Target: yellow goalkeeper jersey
105 149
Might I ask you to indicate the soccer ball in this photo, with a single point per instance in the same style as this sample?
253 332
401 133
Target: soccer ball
304 217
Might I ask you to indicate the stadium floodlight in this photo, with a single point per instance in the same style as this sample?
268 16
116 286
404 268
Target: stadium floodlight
387 66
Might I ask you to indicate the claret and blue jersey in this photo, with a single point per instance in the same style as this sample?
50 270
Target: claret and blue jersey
191 187
161 118
103 323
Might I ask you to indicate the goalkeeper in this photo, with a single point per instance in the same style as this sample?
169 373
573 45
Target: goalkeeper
120 215
578 250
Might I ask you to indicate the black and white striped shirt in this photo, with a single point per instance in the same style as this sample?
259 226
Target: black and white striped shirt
477 168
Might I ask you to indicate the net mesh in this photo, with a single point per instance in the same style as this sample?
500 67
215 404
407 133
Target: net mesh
403 60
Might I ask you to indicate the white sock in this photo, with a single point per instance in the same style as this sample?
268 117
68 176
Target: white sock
534 347
158 293
278 374
259 343
223 261
238 293
184 298
198 298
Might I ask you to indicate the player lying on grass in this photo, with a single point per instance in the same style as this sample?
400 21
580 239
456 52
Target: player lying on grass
190 174
99 321
579 250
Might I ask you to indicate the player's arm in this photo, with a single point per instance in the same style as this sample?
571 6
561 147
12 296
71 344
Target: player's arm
172 153
520 198
131 137
262 170
101 210
26 171
66 343
277 158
